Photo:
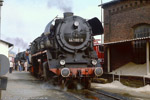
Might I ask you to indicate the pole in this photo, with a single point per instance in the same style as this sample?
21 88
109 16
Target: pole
1 4
0 21
108 59
144 80
113 76
102 22
147 56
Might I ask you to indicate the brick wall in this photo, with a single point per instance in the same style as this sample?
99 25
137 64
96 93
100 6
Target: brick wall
120 18
120 54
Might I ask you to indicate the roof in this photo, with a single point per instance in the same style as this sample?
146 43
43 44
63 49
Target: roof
129 40
1 2
110 3
9 44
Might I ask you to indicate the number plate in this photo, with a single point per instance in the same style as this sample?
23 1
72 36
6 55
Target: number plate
75 39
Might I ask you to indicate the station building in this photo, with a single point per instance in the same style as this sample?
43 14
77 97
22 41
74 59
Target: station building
127 36
4 47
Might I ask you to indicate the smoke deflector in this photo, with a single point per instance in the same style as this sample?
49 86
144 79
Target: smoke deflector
96 25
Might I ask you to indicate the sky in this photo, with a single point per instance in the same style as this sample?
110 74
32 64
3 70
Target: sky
24 20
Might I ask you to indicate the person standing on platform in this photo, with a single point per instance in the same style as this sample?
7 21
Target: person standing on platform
20 67
11 67
26 66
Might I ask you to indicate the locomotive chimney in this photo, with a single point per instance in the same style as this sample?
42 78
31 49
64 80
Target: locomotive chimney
68 14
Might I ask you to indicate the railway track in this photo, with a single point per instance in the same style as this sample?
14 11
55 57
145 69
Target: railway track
87 94
92 94
107 95
75 96
72 96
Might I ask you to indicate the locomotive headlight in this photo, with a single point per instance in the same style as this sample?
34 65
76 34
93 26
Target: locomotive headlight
98 71
62 62
94 62
65 72
76 24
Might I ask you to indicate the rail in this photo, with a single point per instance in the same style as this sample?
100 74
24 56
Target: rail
107 94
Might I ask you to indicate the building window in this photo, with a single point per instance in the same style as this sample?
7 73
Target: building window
101 48
139 53
142 31
121 7
135 3
147 1
113 10
117 9
141 1
109 11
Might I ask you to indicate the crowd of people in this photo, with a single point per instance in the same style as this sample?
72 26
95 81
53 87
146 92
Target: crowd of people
19 66
20 62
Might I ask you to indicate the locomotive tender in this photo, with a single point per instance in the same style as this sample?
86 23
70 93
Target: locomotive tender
65 49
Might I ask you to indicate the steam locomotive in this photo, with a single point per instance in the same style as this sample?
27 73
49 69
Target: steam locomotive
20 57
65 50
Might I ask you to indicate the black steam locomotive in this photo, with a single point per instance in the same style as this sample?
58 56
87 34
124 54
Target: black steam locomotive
65 49
20 57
